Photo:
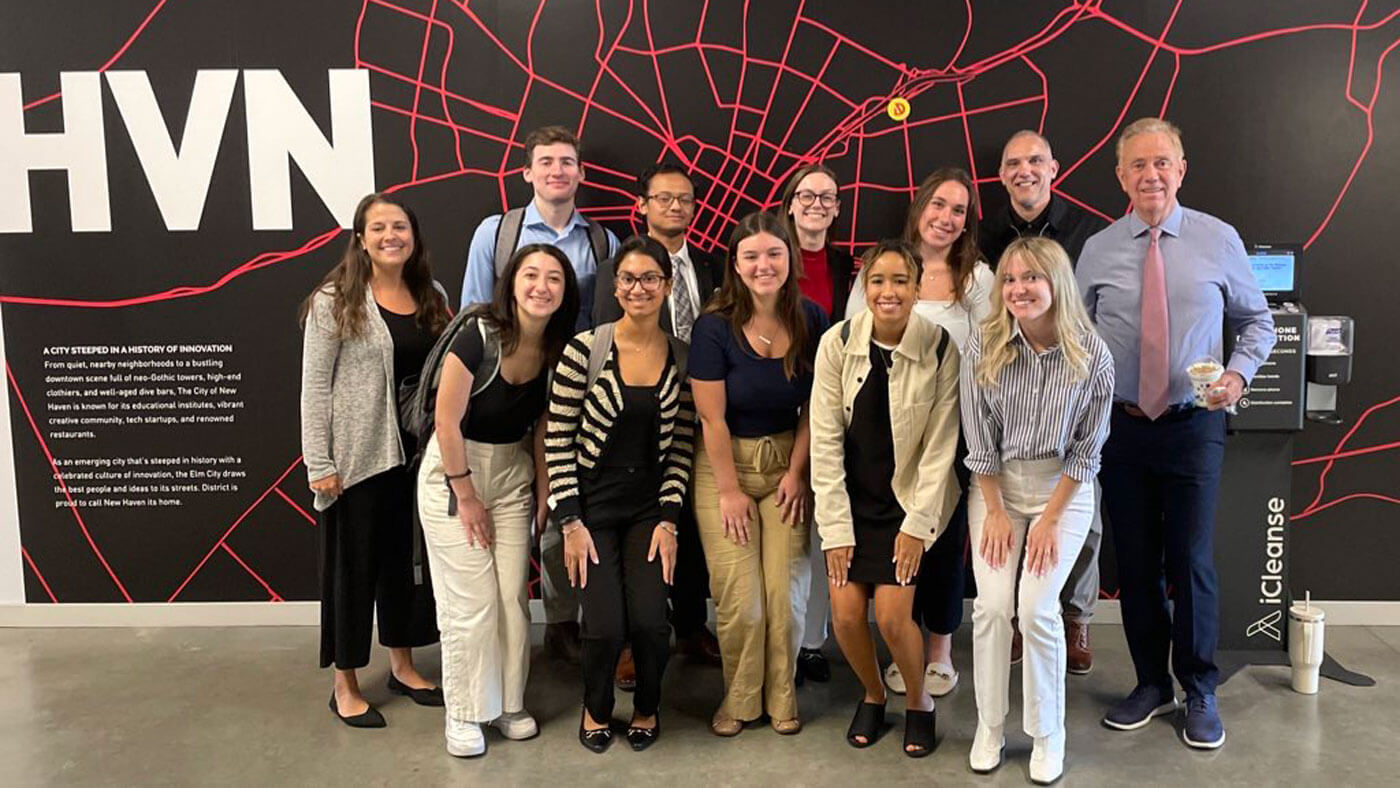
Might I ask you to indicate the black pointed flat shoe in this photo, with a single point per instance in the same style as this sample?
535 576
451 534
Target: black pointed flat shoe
598 741
423 697
642 738
371 718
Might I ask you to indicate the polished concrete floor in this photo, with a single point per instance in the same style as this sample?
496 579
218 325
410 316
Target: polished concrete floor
139 707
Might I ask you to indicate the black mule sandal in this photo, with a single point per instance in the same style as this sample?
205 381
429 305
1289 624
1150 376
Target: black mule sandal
919 732
869 722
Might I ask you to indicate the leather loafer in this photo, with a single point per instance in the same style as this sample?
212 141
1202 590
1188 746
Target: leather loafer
370 718
423 697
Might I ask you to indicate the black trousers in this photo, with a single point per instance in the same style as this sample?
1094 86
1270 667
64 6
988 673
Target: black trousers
367 562
942 580
1160 482
692 579
625 599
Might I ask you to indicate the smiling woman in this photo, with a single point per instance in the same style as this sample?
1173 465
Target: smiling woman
367 328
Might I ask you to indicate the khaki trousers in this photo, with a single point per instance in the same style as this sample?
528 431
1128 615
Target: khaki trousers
752 584
483 595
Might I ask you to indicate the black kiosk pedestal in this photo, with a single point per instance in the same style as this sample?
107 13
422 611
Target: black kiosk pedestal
1251 531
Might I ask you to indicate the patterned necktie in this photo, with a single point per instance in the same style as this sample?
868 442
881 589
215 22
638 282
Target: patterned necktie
1155 352
683 315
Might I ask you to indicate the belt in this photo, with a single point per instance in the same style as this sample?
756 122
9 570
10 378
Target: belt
1172 410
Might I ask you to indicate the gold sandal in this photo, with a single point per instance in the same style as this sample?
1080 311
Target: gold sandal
787 727
724 725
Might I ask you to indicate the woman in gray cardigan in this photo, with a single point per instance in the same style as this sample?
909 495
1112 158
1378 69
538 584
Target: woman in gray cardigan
367 327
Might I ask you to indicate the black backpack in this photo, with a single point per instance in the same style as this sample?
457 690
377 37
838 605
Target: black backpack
418 395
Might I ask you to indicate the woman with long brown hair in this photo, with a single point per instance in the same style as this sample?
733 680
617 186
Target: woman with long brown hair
367 327
751 363
480 485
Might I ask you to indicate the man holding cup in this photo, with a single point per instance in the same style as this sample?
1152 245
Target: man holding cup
1163 284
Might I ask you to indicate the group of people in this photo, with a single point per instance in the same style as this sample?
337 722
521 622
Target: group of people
666 422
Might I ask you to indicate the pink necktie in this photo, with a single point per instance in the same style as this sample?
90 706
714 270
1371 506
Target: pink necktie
1153 375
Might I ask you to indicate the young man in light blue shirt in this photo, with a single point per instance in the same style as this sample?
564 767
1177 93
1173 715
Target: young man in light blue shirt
554 168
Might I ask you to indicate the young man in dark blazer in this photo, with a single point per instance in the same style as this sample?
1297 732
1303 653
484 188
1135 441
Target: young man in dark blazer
666 200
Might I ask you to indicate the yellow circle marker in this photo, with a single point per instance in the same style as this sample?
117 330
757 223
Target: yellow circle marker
898 109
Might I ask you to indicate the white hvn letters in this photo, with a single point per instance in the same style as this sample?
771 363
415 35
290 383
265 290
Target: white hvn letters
179 181
80 149
279 126
339 166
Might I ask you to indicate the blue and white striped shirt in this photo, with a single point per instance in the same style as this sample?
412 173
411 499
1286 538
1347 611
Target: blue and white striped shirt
1037 410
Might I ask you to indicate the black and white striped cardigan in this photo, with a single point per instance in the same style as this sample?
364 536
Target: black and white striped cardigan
580 423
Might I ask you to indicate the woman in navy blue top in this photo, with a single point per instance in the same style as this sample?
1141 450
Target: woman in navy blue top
751 363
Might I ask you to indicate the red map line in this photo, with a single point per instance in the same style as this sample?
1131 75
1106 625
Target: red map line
63 485
294 505
35 569
276 597
232 528
141 28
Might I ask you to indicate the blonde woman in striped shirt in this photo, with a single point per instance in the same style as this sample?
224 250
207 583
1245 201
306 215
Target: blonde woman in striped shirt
1037 384
618 449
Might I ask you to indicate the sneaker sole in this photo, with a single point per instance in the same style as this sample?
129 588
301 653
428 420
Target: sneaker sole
461 753
1165 708
506 734
1083 672
1203 745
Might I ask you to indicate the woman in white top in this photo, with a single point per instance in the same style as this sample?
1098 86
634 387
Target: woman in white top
955 292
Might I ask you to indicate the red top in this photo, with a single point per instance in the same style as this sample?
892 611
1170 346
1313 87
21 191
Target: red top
816 278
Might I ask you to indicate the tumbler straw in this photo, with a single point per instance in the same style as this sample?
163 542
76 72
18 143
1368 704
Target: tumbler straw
1307 601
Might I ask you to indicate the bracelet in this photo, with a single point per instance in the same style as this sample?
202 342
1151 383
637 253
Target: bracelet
462 475
669 528
566 530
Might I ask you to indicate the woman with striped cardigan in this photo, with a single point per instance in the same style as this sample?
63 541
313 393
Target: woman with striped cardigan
621 423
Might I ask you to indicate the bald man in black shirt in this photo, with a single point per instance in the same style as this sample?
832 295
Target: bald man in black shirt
1027 171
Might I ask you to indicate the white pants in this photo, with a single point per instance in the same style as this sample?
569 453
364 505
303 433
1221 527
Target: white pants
1025 489
482 593
811 601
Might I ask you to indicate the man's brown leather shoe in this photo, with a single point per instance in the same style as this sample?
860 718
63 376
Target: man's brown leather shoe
1079 656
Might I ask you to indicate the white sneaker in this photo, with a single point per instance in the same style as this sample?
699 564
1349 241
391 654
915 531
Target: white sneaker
987 747
894 679
940 678
516 725
1048 758
465 739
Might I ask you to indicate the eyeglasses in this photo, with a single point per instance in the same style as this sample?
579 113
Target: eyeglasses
664 199
651 282
827 199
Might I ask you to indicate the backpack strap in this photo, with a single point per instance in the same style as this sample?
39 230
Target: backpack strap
681 350
845 332
597 240
942 344
598 353
507 238
490 365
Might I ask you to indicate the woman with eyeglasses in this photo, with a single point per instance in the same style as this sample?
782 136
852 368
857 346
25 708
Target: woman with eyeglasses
751 368
618 448
955 292
812 201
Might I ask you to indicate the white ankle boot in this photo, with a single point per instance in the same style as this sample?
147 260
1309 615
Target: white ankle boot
1048 758
987 747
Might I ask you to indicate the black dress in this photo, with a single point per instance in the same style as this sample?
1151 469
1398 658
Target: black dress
875 511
